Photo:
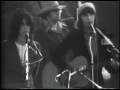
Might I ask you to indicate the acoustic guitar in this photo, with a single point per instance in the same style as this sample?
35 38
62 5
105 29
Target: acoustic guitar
50 71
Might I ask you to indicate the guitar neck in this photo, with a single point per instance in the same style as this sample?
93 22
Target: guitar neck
96 66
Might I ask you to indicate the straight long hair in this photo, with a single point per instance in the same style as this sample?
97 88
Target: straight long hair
16 23
84 12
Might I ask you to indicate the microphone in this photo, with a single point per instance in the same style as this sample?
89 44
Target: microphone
28 42
27 38
38 50
94 31
60 74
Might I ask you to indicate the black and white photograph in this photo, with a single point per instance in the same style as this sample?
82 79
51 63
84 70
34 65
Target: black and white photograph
60 45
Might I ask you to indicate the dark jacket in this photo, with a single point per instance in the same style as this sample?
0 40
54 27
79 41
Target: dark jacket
49 41
75 41
13 73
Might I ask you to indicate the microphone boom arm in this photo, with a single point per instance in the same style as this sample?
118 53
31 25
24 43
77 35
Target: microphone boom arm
106 38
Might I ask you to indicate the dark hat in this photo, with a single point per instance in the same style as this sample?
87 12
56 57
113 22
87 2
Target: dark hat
49 5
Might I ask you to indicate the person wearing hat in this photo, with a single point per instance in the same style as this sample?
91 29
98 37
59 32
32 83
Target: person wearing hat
50 34
85 45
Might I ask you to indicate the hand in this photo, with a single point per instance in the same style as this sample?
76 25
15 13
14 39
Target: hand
115 64
115 54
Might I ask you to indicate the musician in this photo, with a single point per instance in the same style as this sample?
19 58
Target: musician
50 34
14 53
77 43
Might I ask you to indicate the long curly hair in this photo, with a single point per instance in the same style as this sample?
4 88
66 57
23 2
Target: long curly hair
16 23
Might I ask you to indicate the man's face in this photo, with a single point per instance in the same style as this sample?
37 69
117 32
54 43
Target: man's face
24 29
88 19
55 15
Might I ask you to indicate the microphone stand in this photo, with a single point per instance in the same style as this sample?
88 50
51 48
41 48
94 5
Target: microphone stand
27 63
69 79
75 72
92 61
98 86
94 32
67 18
76 21
27 58
92 58
107 39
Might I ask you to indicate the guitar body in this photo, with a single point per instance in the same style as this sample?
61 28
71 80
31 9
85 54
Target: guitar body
50 71
48 77
79 80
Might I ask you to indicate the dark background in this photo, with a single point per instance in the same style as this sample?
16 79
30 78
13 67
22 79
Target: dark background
108 15
107 12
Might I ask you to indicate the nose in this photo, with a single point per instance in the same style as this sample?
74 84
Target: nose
89 17
27 27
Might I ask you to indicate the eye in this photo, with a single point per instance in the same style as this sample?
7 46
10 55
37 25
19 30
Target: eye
91 14
84 15
22 23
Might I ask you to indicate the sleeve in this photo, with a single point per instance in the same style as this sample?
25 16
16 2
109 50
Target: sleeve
58 55
105 54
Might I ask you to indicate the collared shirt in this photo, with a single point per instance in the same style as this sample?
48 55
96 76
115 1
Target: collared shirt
21 50
57 27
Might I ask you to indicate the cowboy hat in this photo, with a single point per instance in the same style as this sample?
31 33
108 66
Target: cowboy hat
49 5
85 5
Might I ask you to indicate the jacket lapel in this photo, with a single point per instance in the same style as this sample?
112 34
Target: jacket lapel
14 54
